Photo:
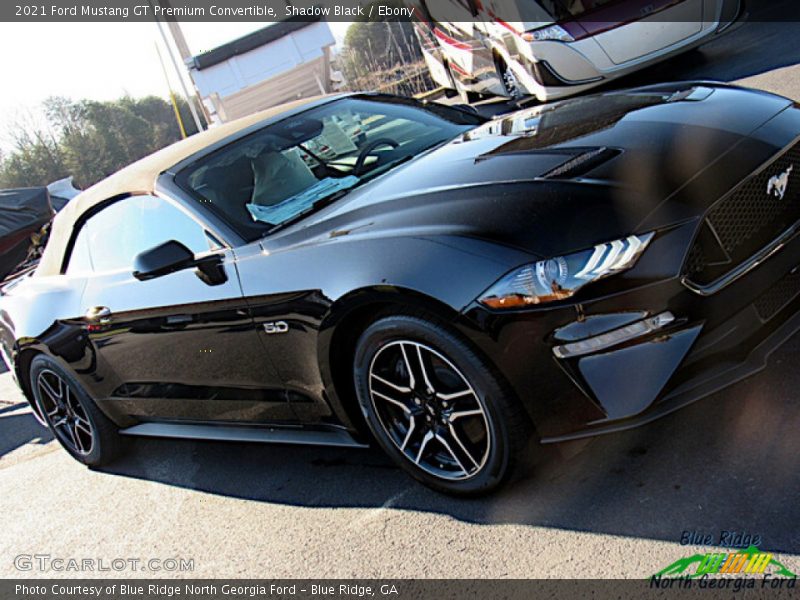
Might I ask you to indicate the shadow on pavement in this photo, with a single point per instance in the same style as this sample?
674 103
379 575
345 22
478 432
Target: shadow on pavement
19 428
730 462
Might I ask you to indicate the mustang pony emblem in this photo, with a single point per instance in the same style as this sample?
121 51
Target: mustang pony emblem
778 183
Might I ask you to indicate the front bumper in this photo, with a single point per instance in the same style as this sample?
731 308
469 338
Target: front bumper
559 77
714 342
580 372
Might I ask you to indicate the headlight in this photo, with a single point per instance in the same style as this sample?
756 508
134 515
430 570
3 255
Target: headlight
551 33
560 277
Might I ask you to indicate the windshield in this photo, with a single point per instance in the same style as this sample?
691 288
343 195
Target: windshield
290 168
564 9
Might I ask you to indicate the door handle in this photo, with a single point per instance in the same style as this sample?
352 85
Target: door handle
99 314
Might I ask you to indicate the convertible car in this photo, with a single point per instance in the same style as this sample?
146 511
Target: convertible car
458 290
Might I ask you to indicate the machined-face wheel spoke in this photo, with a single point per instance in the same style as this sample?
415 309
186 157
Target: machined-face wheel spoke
71 433
415 363
424 370
77 437
70 400
428 437
441 439
458 441
83 426
398 388
65 413
409 433
431 394
391 400
455 395
53 393
412 381
464 413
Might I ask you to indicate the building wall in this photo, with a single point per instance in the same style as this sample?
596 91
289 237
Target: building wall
247 82
308 79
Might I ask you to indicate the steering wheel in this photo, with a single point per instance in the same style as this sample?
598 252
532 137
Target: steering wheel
369 149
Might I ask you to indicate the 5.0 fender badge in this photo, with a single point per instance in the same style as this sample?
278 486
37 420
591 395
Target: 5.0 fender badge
276 327
778 183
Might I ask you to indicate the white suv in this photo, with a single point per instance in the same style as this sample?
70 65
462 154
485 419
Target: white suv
556 48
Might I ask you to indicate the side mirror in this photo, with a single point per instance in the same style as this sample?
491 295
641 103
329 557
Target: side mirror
172 256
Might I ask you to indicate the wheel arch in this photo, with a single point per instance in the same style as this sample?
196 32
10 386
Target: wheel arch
22 371
346 321
23 357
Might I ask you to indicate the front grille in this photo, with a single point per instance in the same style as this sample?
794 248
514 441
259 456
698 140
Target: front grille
778 296
747 219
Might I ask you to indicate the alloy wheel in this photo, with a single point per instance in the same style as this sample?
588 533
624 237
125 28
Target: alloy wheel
64 413
429 410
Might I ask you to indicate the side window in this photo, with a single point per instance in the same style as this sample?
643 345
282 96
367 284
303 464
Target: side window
80 263
111 239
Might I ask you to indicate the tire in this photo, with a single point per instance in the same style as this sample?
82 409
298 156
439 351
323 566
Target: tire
72 416
510 82
474 426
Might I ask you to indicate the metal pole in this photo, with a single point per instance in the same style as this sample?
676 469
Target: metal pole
189 99
183 51
171 95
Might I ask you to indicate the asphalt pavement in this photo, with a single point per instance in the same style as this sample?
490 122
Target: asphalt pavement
612 507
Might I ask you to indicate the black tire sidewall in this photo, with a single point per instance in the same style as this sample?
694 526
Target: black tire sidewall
488 389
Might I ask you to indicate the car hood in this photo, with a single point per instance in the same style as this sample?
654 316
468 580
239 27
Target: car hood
566 176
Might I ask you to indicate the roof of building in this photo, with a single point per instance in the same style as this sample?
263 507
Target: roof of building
250 42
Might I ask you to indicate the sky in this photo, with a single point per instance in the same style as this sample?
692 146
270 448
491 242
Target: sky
98 61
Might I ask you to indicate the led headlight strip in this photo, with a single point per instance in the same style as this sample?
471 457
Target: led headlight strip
560 277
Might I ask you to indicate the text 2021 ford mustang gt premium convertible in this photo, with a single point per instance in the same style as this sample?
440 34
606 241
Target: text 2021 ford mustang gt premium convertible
449 286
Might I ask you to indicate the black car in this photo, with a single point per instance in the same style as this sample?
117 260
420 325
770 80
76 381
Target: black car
451 287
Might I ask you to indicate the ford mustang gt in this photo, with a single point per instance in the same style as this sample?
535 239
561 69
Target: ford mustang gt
457 289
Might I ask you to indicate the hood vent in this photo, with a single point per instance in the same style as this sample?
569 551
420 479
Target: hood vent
582 163
695 94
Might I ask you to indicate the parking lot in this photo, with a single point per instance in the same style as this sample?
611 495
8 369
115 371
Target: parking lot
612 507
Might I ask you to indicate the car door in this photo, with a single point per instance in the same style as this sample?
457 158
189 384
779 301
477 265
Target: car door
176 346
